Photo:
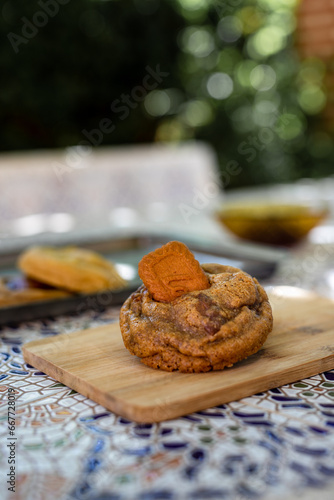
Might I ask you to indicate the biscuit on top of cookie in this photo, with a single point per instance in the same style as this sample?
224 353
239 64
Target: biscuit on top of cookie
193 318
171 271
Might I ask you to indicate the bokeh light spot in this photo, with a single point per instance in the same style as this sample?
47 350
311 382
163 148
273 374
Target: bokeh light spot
266 42
157 103
197 113
263 77
219 85
312 71
197 41
172 130
243 72
312 99
229 29
265 113
289 126
284 18
251 18
192 4
289 4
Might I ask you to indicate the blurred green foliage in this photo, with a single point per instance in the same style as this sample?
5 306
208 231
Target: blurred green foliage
229 75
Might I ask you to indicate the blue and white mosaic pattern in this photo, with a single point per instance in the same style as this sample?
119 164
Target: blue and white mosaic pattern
70 448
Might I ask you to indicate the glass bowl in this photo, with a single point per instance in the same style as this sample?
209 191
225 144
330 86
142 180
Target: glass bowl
277 215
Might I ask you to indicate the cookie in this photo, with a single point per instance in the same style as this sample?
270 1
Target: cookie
70 268
201 330
171 271
25 292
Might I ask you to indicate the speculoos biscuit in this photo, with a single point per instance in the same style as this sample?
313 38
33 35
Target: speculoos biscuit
171 271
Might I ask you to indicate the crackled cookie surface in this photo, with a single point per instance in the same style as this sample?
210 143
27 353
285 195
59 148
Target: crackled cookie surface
201 330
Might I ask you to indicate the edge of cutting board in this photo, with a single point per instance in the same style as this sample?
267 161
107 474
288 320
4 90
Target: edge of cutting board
141 401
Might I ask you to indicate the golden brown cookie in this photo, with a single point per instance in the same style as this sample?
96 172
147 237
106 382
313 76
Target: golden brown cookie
171 271
71 268
27 292
201 330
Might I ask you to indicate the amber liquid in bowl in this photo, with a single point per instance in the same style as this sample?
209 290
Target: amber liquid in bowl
276 224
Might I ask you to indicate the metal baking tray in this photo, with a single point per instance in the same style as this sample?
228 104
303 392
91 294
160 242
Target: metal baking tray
125 252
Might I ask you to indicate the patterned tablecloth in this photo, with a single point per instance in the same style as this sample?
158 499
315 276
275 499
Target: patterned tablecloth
66 446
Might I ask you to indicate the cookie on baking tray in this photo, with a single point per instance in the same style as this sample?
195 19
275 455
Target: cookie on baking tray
26 291
70 268
200 330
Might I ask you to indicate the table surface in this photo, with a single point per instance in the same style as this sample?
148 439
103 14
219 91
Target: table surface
65 446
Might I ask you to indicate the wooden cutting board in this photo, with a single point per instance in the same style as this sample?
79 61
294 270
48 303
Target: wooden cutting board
95 363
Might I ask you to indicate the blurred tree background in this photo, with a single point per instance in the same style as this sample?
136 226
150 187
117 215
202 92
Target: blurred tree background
230 75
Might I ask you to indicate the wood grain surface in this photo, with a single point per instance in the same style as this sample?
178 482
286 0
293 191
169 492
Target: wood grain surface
95 363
